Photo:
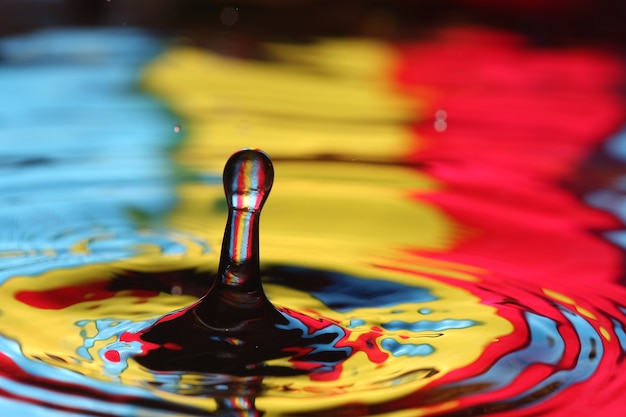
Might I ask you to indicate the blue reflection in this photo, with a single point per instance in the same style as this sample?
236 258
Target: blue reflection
83 153
408 349
344 292
84 176
546 346
427 325
612 198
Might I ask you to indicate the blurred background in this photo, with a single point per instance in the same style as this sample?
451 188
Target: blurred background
553 22
460 107
447 112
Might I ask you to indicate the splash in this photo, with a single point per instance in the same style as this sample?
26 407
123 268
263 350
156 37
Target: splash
484 299
234 329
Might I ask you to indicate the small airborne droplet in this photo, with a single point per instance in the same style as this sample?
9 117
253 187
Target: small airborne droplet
229 16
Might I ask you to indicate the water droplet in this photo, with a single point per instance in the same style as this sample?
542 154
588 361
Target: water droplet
238 294
234 329
177 128
248 178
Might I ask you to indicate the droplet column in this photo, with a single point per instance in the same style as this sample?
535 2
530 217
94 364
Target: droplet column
237 297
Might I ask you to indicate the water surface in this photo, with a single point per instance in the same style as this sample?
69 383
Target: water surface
450 237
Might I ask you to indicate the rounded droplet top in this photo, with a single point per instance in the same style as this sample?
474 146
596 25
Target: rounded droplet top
248 178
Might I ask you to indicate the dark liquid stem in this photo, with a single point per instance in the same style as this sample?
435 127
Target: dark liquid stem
234 329
237 300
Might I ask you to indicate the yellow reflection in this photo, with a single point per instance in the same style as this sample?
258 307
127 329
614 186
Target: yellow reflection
398 376
51 333
212 139
352 59
329 212
567 300
331 98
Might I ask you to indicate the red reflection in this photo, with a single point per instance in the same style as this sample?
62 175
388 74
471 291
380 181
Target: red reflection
63 297
519 122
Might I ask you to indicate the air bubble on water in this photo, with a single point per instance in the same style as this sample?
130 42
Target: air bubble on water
441 120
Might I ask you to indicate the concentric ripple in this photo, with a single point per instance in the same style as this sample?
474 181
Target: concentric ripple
417 283
430 345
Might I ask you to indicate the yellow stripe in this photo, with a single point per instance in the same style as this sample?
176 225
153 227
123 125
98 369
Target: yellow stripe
290 107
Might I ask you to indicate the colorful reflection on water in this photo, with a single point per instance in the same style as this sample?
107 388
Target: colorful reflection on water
445 224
